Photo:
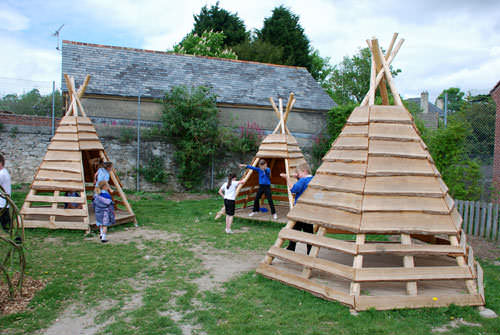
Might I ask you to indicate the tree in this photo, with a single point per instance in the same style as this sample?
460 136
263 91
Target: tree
455 98
32 103
220 20
350 79
320 68
259 51
208 44
283 29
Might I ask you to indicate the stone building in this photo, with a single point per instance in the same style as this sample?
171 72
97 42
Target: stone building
430 112
119 75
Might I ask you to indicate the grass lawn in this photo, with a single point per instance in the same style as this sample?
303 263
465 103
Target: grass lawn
154 280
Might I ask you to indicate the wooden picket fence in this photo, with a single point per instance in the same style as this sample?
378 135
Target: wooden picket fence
480 218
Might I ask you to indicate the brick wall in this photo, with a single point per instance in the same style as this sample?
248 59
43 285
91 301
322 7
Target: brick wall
495 94
27 120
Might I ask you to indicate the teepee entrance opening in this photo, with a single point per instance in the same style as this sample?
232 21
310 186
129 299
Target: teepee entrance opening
62 189
282 153
389 234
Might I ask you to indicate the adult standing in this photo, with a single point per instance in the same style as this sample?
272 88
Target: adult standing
5 182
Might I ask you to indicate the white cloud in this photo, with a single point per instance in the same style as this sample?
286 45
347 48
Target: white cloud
12 20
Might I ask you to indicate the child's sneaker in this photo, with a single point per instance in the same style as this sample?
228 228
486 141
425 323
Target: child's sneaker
229 231
275 216
252 213
103 240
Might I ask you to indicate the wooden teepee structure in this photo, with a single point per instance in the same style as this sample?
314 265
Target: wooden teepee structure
282 153
379 183
69 166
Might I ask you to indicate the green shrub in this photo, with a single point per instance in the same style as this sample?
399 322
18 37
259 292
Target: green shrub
154 171
127 135
320 147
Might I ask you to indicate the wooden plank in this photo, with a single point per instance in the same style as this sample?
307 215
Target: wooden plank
63 156
409 222
355 130
83 120
61 166
489 220
411 274
495 223
57 175
314 252
456 218
65 137
72 212
412 249
343 169
355 288
397 149
390 114
350 143
403 186
471 217
57 225
409 263
63 146
319 264
478 215
86 128
275 138
359 115
337 183
54 199
460 205
396 166
466 214
328 217
318 241
404 301
87 136
51 185
482 225
393 132
383 203
277 154
317 289
480 280
68 121
348 156
340 200
66 129
91 145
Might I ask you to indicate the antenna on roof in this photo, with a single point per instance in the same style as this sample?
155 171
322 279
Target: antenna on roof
56 34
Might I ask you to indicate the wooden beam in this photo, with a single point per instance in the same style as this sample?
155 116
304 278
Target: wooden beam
388 77
371 100
391 45
81 89
381 86
408 262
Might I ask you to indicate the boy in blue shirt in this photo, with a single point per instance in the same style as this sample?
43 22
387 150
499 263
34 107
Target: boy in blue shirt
304 177
264 187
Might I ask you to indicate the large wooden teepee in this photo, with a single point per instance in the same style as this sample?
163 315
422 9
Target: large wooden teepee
69 166
282 153
379 183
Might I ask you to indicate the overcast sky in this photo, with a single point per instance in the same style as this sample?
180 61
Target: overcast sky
447 42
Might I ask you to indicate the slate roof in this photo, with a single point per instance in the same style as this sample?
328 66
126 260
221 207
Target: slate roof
126 72
432 108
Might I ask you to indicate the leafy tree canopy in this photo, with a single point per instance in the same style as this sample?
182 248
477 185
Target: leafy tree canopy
455 98
259 51
283 29
208 44
32 103
220 20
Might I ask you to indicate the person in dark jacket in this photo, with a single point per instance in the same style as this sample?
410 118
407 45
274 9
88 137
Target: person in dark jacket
264 187
104 209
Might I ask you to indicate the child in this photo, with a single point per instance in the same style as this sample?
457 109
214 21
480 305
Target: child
228 192
304 177
5 182
103 172
104 209
264 187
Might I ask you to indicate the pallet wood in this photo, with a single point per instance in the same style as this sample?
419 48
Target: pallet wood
379 178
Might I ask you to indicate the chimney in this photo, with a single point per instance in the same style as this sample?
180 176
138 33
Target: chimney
424 102
440 103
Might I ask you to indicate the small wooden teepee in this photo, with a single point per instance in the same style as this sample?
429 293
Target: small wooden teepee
69 166
379 183
282 153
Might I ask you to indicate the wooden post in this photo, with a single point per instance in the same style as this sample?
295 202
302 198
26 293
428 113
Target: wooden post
471 218
476 221
482 226
306 273
388 77
466 215
408 262
495 223
279 242
471 286
357 263
382 87
489 220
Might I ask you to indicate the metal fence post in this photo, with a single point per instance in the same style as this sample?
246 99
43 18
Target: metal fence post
53 107
138 139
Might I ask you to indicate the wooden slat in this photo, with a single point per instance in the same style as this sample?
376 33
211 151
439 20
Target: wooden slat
411 274
482 225
395 166
348 156
471 218
328 217
391 114
65 137
319 290
343 169
359 115
355 130
390 131
339 200
466 215
57 225
66 129
495 223
337 183
384 203
319 241
58 175
413 249
411 222
91 145
275 138
63 156
68 120
83 120
456 218
320 264
63 146
350 143
86 128
87 136
61 166
403 186
489 220
404 301
397 149
478 215
57 185
59 199
72 212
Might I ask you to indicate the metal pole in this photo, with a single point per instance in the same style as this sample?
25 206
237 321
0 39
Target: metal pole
212 173
445 109
138 138
53 107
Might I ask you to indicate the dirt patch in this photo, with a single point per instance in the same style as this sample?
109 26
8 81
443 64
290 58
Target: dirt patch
224 265
453 325
137 235
483 248
21 300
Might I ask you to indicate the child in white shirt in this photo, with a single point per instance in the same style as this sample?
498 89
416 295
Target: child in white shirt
228 192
